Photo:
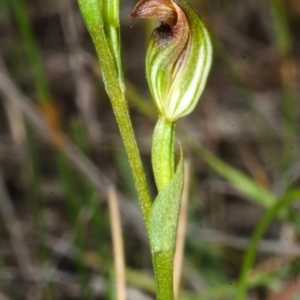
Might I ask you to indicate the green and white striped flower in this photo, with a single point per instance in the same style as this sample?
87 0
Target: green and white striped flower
179 56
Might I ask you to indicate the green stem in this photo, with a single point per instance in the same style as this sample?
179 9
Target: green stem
116 92
163 272
163 163
258 234
163 160
120 109
106 42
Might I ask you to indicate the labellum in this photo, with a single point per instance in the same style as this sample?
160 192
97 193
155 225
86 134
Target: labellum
179 56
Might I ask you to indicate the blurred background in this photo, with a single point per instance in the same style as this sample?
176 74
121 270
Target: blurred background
60 151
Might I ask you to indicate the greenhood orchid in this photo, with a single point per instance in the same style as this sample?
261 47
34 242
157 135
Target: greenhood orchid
179 56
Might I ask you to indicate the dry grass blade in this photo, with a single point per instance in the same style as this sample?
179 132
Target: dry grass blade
118 247
17 125
181 231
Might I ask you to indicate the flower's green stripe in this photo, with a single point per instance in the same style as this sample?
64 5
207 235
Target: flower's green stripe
176 68
165 48
159 69
198 66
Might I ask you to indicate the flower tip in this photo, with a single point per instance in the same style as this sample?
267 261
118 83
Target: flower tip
162 10
133 18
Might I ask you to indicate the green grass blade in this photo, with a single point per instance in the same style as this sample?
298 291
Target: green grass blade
19 11
248 187
258 234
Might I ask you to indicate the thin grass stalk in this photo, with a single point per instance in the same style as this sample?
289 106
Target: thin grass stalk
118 248
181 232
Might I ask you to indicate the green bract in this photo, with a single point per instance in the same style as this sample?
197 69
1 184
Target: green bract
179 56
